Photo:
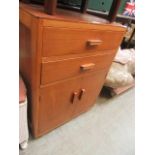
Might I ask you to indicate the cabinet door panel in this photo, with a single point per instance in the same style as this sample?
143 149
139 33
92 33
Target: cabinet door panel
56 105
89 91
62 101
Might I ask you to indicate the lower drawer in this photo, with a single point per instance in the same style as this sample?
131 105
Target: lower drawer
59 70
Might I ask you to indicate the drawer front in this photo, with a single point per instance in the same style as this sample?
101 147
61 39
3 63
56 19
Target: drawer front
62 41
59 101
59 70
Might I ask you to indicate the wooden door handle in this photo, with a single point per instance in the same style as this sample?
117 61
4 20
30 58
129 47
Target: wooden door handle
87 66
94 42
74 97
82 93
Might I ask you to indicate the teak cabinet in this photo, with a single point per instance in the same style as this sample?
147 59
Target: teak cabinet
64 60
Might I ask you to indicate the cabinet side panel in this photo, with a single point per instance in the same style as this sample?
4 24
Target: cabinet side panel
29 69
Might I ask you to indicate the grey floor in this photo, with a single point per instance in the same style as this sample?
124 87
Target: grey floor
106 129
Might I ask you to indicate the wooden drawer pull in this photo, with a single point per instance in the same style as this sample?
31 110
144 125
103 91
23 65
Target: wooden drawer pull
74 97
87 66
82 93
94 42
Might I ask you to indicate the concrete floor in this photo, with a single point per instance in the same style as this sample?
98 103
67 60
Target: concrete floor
106 129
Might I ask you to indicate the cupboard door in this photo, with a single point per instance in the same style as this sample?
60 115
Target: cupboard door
56 105
89 91
62 101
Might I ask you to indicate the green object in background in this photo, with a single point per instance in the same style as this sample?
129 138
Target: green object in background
99 5
104 5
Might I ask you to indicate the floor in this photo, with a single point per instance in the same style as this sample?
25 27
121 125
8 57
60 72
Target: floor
106 129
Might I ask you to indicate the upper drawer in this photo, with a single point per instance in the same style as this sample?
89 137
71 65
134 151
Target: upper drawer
62 69
62 41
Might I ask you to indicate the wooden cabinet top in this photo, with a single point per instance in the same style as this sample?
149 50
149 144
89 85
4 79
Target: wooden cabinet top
67 15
